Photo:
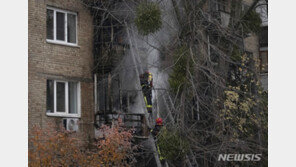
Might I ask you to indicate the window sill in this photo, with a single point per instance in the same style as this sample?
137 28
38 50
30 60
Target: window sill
62 43
63 115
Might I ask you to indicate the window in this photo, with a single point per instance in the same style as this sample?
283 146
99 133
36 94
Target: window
61 26
222 5
263 37
63 98
263 61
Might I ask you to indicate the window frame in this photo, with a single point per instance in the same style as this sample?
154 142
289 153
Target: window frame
66 113
65 42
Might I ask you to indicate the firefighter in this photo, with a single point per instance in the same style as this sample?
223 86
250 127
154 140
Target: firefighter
150 79
158 126
147 83
155 131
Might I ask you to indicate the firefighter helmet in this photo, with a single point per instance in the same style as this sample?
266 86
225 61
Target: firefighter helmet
159 121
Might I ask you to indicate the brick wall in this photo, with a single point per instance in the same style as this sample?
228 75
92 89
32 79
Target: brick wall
53 61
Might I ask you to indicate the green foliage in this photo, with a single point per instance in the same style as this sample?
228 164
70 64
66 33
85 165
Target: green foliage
235 55
252 22
172 145
178 78
148 18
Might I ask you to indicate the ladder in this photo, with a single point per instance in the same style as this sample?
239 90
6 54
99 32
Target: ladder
148 122
190 158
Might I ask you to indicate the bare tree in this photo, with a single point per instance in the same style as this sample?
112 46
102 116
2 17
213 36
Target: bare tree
214 97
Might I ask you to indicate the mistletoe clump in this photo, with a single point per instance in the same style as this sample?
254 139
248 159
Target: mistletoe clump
252 22
183 64
148 18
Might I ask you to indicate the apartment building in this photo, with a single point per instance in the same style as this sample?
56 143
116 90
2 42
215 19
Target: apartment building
60 65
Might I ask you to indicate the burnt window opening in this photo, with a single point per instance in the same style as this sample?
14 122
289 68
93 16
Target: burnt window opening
110 94
125 103
110 32
110 44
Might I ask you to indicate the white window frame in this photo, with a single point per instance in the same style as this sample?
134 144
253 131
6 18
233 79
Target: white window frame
66 113
54 40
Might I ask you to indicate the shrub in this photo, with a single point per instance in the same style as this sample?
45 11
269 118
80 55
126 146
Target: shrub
51 147
115 149
172 145
148 18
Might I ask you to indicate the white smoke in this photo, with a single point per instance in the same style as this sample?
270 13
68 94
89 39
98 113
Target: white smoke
147 55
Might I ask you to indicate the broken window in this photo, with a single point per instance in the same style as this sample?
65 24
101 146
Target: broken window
61 26
62 98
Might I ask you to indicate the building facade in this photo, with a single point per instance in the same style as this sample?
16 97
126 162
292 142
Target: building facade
257 44
262 9
60 65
